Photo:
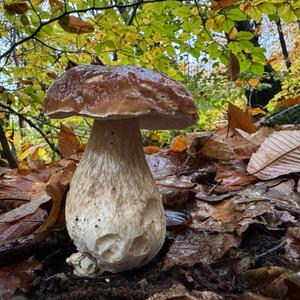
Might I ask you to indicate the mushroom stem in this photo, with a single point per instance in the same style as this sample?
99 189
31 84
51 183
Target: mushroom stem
114 213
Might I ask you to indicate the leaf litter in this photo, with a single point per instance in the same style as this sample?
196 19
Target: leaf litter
212 205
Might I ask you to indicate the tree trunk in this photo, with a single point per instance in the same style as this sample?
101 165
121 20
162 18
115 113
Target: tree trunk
7 153
283 45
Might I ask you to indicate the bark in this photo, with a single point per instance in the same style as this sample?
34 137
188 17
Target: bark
283 45
7 153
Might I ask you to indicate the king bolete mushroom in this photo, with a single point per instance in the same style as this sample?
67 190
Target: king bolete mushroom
114 212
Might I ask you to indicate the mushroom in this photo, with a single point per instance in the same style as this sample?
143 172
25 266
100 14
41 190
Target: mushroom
114 212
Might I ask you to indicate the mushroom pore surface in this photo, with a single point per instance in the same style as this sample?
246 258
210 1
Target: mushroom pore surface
114 213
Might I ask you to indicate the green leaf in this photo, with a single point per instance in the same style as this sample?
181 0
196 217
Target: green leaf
244 35
255 13
213 50
257 68
234 47
227 25
235 14
286 13
245 65
182 11
268 8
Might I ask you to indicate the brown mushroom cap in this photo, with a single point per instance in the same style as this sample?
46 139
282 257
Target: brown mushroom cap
119 92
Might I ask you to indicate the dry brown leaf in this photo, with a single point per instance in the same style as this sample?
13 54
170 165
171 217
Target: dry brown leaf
233 67
73 24
250 296
237 118
195 248
179 144
56 4
16 8
17 276
209 145
257 137
232 33
68 143
278 155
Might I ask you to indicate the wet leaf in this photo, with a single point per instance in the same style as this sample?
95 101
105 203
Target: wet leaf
232 176
195 248
237 118
17 276
23 226
68 142
278 155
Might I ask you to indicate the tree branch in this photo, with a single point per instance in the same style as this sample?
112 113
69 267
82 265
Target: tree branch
66 13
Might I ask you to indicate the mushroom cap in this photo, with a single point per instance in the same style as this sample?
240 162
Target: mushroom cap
121 92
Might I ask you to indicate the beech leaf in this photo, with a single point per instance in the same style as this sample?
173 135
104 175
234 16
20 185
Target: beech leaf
68 142
75 25
278 155
18 8
233 67
237 118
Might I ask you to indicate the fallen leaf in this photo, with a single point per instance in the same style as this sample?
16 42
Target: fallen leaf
233 67
254 111
175 218
209 145
270 281
17 276
292 245
23 226
179 292
278 155
237 118
151 149
250 296
195 248
292 283
25 209
179 144
257 137
68 143
232 176
73 24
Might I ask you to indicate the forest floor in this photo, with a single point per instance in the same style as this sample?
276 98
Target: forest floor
230 235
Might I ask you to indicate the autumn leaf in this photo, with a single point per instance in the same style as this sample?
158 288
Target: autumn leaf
179 144
278 155
289 102
17 8
253 111
151 149
223 4
75 25
237 118
56 4
233 67
253 82
68 143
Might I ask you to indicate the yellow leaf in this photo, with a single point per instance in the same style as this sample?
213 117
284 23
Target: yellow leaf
23 165
179 144
255 111
195 11
24 154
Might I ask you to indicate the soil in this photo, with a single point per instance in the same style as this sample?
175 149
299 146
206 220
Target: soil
56 280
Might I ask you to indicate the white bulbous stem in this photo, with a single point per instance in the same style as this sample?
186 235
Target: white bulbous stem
114 212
